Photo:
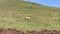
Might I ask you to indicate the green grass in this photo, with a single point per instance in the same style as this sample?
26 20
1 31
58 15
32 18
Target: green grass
12 15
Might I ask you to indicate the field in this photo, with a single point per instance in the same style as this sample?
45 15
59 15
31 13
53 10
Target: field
13 13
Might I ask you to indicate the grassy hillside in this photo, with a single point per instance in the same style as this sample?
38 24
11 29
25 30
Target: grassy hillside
13 13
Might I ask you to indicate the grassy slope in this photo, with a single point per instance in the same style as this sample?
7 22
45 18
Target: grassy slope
12 15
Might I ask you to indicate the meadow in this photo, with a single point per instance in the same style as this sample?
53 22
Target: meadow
13 13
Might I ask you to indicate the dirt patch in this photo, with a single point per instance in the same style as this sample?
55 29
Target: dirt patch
13 31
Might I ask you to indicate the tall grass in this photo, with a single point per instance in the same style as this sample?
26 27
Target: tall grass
13 13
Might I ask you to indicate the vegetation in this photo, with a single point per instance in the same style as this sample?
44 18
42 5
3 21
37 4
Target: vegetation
13 13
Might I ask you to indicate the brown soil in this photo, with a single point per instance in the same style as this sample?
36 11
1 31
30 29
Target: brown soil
13 31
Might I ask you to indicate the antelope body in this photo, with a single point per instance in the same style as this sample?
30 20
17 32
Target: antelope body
28 18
